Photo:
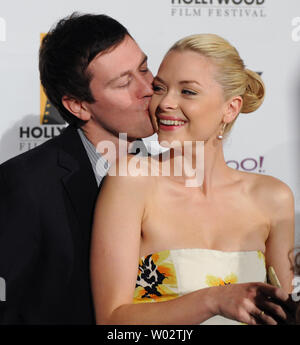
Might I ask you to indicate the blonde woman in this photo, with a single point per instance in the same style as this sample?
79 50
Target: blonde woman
165 253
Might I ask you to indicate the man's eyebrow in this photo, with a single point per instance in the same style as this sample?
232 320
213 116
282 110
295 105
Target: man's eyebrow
145 59
123 74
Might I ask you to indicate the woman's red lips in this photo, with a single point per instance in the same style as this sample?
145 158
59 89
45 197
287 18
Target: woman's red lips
171 118
169 123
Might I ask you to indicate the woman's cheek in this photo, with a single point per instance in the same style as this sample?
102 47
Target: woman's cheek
154 121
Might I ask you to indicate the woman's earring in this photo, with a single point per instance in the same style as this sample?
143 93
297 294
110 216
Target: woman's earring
220 136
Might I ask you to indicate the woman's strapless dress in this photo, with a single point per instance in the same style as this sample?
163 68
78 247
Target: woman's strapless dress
169 274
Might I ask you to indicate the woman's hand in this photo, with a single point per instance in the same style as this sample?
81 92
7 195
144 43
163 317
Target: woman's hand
250 303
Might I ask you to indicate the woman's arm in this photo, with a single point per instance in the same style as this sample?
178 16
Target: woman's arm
115 254
280 243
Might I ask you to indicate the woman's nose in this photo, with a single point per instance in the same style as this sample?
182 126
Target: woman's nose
168 102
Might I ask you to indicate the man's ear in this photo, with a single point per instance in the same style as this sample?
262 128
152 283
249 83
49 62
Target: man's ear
232 109
76 107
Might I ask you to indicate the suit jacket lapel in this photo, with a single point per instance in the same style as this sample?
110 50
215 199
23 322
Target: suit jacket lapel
79 180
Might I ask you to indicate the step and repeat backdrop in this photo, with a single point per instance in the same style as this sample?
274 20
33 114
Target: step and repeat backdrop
266 33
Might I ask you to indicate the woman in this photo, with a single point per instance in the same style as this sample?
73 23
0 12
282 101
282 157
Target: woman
196 250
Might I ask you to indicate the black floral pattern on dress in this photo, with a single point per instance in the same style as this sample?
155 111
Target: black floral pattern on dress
149 278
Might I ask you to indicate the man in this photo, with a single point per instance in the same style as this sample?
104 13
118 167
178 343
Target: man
96 75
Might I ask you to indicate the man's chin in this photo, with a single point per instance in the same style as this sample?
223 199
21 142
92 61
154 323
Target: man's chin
145 130
149 134
138 136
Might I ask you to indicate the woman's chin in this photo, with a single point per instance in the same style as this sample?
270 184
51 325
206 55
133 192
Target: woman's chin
168 141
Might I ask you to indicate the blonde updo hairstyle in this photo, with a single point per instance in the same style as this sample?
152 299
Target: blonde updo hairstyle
232 75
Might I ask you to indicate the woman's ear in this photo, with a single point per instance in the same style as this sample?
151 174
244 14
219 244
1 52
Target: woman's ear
76 107
232 109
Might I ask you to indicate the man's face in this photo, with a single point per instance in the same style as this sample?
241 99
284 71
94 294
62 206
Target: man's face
121 85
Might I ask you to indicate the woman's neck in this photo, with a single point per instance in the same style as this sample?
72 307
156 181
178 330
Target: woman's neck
205 161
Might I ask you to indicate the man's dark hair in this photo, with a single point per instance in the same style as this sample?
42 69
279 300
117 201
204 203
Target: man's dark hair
66 52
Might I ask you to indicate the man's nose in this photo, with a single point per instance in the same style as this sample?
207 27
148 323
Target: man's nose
145 87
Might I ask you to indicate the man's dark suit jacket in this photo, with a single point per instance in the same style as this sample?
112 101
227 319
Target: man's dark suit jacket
47 198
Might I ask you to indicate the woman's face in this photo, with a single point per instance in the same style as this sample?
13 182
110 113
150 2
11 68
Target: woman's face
188 102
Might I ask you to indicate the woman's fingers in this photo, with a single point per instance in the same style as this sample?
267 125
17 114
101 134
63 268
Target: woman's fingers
267 305
254 303
272 307
271 300
262 318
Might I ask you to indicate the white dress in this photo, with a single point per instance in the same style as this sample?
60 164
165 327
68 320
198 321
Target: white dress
172 273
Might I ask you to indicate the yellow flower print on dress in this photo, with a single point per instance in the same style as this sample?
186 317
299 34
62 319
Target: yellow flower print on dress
156 280
261 256
216 281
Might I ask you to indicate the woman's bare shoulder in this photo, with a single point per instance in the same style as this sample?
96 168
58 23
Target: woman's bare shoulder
268 189
271 185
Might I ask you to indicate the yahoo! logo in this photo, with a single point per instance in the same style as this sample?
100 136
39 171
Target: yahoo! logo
248 164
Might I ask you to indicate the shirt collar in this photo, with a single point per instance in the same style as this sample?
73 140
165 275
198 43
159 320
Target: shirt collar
99 164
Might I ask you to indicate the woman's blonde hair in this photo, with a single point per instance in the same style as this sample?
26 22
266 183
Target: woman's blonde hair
232 75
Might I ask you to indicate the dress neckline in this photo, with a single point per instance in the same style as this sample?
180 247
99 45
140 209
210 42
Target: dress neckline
206 250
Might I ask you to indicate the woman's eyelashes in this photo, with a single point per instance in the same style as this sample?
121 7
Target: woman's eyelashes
157 88
188 92
160 89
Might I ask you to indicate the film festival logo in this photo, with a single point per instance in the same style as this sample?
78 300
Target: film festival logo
49 114
50 125
219 8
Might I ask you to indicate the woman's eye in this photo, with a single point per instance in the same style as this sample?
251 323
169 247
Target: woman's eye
188 92
157 88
